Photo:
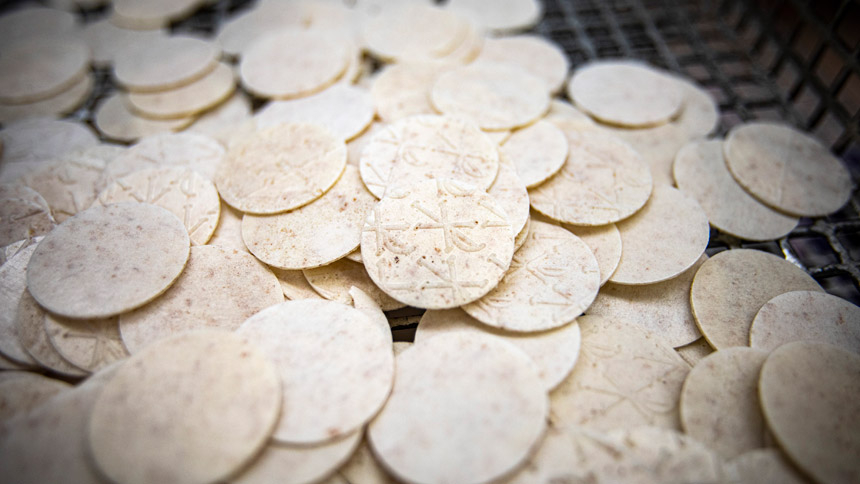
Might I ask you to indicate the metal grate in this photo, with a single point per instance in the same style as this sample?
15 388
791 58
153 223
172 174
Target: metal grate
793 60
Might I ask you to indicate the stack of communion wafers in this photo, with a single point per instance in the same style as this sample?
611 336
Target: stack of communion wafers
215 305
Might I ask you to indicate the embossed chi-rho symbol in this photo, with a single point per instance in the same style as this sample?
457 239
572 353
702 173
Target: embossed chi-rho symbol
385 235
469 163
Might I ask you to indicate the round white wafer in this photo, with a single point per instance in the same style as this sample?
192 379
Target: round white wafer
553 279
807 395
31 332
602 181
13 285
625 377
291 63
185 193
23 219
412 31
90 344
342 109
562 113
555 351
115 121
364 303
356 145
145 14
493 96
195 151
532 53
500 16
165 63
32 20
334 281
59 104
281 168
241 31
626 93
605 243
806 316
69 185
39 68
762 465
108 42
694 352
155 418
402 90
421 147
187 100
700 171
511 194
662 308
351 361
222 122
313 235
498 137
648 256
363 466
439 245
43 138
108 260
787 169
294 285
719 402
219 289
473 391
538 151
292 464
25 392
731 287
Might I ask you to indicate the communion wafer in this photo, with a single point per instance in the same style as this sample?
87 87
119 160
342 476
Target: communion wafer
31 332
499 406
605 243
402 90
34 69
222 122
413 32
33 20
538 151
108 260
69 185
532 53
295 285
219 289
344 110
441 244
23 393
116 121
59 104
43 138
156 417
510 192
187 100
281 168
89 344
165 63
195 151
371 309
762 465
107 41
334 281
13 285
292 464
147 14
504 16
240 32
22 219
694 352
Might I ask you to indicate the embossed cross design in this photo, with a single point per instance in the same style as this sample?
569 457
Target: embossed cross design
450 229
107 345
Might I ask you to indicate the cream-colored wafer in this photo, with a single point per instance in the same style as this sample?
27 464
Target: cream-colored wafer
498 137
731 287
180 190
292 240
351 361
108 42
195 151
293 464
165 63
188 100
9 191
647 256
662 308
538 151
23 219
290 63
219 289
532 53
32 21
439 245
510 192
364 303
449 380
59 104
69 185
555 351
521 237
562 113
625 377
295 285
626 93
115 121
355 256
700 171
43 138
146 14
108 260
500 16
363 467
694 352
787 169
31 332
719 402
228 234
762 465
192 408
13 285
493 96
334 281
342 109
806 316
355 146
427 146
553 279
241 31
412 31
602 181
402 90
469 48
224 122
25 392
38 68
90 344
281 168
807 395
605 243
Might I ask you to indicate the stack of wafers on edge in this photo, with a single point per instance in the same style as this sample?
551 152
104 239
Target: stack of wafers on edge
216 302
